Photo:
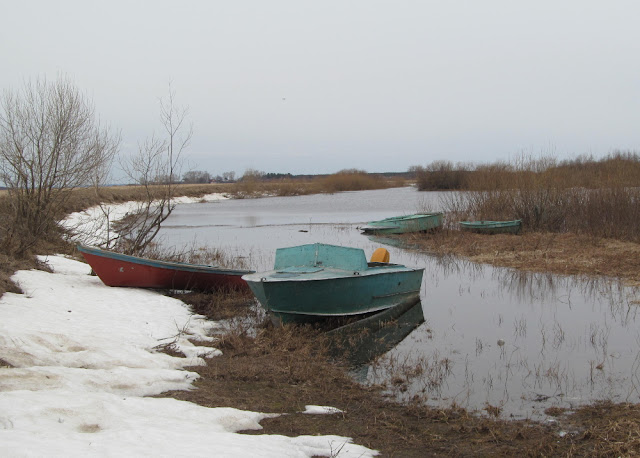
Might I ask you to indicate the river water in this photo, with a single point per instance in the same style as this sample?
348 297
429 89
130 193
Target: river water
493 340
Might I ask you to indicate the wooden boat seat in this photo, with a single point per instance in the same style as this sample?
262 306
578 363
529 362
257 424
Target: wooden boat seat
380 255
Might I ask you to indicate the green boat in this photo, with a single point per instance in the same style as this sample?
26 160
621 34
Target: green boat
492 227
320 281
420 222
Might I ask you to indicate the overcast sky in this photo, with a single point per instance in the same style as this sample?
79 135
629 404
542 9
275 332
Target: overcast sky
318 86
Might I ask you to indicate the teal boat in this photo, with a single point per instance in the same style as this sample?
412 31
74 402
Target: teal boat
319 281
492 227
420 222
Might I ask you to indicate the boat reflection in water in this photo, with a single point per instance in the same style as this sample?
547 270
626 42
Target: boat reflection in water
362 341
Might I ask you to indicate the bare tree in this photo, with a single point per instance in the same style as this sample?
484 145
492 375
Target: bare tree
156 167
196 176
50 143
229 176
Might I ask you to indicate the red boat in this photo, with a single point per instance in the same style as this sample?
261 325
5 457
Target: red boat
115 269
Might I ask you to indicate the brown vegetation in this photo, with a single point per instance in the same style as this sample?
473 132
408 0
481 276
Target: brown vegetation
79 199
51 142
253 184
620 169
567 254
283 369
351 180
583 196
223 305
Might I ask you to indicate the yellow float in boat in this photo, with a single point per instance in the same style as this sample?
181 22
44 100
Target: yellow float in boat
380 255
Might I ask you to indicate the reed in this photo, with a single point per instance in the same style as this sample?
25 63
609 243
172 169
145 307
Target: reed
350 180
257 184
256 187
598 198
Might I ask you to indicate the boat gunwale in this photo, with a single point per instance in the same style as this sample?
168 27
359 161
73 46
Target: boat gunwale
411 216
404 223
332 274
167 265
490 224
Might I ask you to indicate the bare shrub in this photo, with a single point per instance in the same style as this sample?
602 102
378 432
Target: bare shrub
441 175
50 143
595 198
156 167
249 184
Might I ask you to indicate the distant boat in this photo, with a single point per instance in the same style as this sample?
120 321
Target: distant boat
319 281
115 269
492 227
419 222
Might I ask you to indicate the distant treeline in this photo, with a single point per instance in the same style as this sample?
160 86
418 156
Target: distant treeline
271 176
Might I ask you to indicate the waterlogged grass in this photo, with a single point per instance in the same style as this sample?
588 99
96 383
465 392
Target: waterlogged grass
283 369
567 254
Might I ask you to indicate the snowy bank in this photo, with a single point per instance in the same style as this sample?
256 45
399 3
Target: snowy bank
92 226
79 358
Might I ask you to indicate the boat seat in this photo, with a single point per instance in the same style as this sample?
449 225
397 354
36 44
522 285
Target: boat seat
380 255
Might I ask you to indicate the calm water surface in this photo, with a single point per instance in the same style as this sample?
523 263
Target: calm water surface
492 336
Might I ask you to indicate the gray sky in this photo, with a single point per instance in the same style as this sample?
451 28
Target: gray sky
317 86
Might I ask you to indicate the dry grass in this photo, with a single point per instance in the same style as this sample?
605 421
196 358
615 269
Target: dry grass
223 305
607 429
283 369
10 264
284 187
598 198
349 180
620 169
568 254
7 268
345 180
607 212
81 199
